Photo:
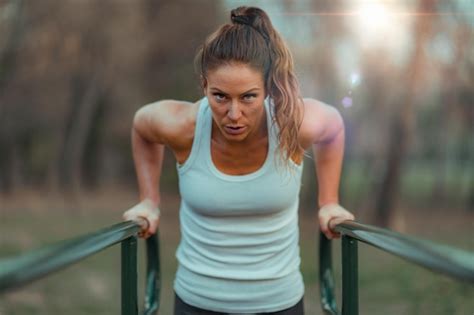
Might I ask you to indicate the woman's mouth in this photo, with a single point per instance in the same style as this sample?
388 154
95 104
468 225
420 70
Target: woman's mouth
235 130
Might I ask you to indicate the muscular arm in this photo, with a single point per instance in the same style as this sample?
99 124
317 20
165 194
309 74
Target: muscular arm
324 129
329 152
148 140
154 126
148 159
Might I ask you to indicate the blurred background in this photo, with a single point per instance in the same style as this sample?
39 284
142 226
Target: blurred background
73 73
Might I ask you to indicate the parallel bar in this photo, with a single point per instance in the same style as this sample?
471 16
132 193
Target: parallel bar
34 264
456 263
153 280
25 268
350 286
129 277
326 277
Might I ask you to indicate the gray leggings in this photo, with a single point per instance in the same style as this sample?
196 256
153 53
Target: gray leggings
181 308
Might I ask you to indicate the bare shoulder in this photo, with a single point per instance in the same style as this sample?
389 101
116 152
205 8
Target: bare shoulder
169 122
321 122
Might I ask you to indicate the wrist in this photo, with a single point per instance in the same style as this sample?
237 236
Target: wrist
328 202
152 201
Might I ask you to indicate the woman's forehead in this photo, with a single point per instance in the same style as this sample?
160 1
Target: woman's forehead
235 77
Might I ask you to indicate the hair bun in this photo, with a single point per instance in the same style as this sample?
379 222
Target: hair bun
241 19
244 15
253 17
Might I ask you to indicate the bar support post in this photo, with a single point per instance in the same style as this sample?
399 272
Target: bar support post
129 276
350 293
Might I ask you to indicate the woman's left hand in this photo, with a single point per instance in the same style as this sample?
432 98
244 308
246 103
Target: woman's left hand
331 215
147 215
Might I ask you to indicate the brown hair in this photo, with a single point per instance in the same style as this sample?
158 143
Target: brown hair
251 39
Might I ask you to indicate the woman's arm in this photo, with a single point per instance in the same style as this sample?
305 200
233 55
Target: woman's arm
327 137
152 127
148 159
328 153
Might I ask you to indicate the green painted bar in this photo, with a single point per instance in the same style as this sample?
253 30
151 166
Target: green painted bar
25 268
153 280
442 259
129 277
326 277
350 286
453 262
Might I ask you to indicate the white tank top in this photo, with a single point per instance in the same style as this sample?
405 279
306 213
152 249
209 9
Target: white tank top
239 249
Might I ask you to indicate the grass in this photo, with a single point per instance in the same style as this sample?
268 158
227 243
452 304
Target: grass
387 285
421 183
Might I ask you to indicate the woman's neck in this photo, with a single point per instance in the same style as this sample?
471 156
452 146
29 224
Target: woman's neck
256 136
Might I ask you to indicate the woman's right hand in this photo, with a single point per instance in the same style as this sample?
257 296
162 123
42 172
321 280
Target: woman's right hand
331 215
146 214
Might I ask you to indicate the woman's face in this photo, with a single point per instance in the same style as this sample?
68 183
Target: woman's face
236 93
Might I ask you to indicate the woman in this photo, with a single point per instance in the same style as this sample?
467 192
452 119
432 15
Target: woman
239 153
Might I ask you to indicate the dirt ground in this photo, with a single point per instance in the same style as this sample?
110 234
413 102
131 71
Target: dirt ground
387 284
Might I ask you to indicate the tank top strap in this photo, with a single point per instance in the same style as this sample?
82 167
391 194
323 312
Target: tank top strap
272 127
200 131
206 130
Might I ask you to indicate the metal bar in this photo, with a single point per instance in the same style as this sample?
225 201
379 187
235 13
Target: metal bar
129 277
456 263
153 280
326 277
34 264
350 294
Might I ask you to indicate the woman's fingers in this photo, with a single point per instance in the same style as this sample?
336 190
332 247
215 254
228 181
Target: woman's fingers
146 215
324 226
331 215
335 221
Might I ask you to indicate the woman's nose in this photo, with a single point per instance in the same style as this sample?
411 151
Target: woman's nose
234 111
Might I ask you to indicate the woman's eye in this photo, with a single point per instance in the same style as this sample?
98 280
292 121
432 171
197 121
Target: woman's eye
219 97
249 97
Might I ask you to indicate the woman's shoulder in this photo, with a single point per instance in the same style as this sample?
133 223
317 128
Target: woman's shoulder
320 122
171 108
167 121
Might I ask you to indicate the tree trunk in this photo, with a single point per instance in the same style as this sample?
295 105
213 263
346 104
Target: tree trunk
389 188
401 129
80 125
7 66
